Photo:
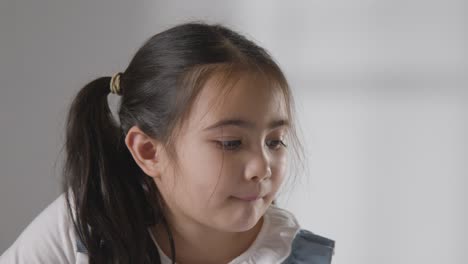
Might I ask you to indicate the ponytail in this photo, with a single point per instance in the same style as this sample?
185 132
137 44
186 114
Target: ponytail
110 194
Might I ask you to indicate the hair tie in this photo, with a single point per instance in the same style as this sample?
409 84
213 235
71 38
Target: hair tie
115 84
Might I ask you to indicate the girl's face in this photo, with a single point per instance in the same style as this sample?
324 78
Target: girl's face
231 157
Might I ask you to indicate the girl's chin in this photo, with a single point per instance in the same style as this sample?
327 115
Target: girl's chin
241 225
243 215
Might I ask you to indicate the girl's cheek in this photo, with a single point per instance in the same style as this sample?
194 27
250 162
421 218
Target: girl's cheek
279 161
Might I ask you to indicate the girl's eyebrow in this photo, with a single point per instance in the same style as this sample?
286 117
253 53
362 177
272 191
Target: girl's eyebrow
246 124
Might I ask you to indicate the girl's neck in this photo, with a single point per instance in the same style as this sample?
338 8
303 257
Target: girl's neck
198 244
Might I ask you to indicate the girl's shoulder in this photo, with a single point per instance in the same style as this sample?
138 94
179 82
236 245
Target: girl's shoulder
310 248
49 238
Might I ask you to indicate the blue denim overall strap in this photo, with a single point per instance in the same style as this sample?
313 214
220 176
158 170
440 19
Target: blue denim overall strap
310 248
80 247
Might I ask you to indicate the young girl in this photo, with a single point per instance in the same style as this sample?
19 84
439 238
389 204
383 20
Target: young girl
190 172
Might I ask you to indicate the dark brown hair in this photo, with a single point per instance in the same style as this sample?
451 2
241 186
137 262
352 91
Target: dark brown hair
111 198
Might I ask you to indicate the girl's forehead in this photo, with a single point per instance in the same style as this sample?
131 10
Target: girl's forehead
244 97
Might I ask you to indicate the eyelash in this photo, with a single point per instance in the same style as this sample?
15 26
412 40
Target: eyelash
228 145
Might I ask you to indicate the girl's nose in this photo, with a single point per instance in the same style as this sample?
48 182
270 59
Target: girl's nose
258 167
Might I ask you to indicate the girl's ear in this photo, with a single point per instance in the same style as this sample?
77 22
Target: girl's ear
145 151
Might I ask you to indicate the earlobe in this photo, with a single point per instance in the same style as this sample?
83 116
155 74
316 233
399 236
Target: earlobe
145 151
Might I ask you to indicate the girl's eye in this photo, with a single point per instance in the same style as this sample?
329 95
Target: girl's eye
235 144
275 144
229 145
